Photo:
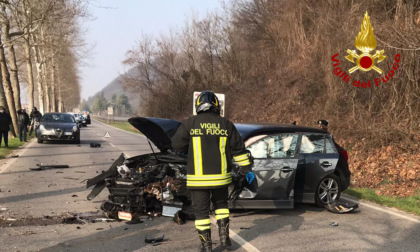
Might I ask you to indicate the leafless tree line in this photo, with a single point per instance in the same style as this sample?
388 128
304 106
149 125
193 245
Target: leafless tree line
39 45
272 59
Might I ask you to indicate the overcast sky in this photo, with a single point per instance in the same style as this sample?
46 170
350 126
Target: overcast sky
118 24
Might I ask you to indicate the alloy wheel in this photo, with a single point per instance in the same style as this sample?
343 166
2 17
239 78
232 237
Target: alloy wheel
328 190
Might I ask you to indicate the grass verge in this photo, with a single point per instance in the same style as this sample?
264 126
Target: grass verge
121 125
14 144
409 204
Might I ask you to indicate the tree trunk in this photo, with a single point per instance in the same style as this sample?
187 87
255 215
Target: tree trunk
46 86
8 91
39 77
53 83
60 97
29 70
11 60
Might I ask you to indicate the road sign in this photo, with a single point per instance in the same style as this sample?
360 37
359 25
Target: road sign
107 134
221 98
110 110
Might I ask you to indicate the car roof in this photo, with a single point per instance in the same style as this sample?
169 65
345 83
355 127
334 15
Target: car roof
247 130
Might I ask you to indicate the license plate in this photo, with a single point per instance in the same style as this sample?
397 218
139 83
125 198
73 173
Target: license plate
124 216
68 133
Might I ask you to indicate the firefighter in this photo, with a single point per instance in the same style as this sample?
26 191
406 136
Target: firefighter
34 118
212 142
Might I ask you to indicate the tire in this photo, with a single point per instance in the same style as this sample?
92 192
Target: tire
77 141
328 190
39 140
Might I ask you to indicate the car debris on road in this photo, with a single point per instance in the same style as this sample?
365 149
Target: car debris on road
42 167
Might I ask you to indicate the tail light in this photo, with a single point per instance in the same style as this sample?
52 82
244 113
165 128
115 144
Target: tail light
345 155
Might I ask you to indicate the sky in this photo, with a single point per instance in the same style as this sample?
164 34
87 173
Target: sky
115 27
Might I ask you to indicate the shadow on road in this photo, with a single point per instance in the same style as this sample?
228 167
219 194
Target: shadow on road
31 196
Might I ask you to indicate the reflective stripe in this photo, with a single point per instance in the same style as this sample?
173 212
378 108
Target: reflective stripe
222 216
222 211
202 222
201 228
208 177
198 162
209 183
240 157
222 148
243 163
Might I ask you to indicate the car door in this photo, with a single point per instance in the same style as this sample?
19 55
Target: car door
275 164
318 158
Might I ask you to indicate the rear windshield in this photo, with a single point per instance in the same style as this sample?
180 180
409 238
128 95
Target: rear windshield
60 118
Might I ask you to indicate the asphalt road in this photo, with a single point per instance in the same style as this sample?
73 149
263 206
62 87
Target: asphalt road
37 201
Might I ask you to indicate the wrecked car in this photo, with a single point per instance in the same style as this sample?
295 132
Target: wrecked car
291 164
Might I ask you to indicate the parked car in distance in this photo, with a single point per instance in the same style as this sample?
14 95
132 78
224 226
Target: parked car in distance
78 118
58 127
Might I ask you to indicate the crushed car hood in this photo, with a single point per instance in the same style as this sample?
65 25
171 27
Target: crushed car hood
157 130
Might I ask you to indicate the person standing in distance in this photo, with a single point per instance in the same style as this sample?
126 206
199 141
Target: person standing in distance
211 142
5 121
35 117
23 122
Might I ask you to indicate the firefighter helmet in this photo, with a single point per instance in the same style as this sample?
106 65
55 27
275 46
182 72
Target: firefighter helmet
207 100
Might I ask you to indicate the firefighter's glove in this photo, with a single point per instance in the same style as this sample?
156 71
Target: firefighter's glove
243 170
250 177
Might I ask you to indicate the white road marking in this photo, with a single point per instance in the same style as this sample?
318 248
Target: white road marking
383 209
241 241
10 161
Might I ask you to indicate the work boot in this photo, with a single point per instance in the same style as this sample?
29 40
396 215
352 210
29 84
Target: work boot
224 232
205 238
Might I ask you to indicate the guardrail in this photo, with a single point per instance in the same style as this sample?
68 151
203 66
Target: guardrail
110 118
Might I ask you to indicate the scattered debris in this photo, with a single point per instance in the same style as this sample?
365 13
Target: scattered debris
10 219
245 228
78 227
79 172
126 228
334 224
95 145
42 167
70 178
72 220
136 221
340 208
60 172
53 184
247 213
15 156
154 240
74 195
3 209
99 228
103 220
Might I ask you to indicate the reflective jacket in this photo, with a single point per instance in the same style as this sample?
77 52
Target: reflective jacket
212 142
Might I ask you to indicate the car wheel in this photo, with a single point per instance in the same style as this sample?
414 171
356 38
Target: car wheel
328 190
39 140
77 141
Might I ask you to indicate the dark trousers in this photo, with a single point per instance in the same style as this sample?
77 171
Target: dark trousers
201 201
5 135
22 132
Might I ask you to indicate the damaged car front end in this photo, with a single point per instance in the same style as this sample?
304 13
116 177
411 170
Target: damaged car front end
150 184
